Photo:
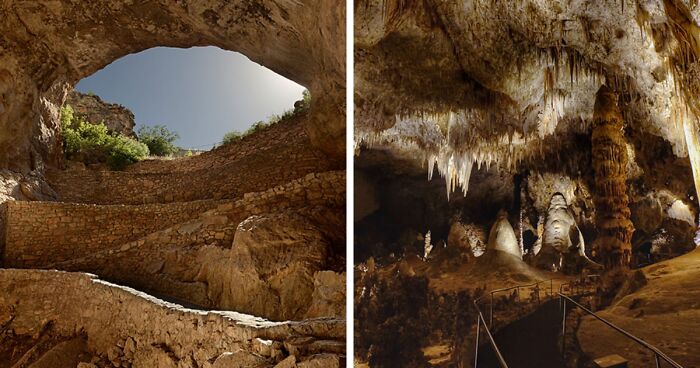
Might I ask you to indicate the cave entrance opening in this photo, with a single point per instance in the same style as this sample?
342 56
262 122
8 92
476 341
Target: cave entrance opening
177 102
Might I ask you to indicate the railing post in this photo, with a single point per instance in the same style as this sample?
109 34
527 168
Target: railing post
656 357
551 288
563 327
478 330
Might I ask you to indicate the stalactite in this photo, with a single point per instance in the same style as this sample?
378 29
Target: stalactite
614 243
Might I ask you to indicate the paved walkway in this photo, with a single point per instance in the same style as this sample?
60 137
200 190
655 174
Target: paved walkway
530 342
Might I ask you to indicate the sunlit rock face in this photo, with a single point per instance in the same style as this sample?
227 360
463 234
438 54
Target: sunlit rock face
91 108
271 269
47 47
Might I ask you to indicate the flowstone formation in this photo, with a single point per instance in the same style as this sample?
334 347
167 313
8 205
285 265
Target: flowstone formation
522 81
563 246
502 238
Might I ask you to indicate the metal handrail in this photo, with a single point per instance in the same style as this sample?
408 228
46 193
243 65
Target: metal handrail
657 353
479 321
577 283
487 327
517 289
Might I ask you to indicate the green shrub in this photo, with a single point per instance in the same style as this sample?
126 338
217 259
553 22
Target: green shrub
304 103
189 153
232 136
299 107
125 151
92 143
158 139
66 115
256 127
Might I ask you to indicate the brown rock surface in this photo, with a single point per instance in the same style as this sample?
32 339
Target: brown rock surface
286 235
663 312
134 329
270 268
614 242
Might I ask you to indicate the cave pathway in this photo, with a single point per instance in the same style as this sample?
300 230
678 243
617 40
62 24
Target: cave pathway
531 341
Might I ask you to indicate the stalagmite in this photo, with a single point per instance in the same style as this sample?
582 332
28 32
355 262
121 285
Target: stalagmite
692 140
563 246
614 243
428 247
502 237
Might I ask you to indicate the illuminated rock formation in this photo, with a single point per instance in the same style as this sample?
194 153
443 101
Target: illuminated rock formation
563 246
613 246
467 237
502 237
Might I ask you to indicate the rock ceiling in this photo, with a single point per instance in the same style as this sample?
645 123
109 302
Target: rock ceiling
466 83
47 46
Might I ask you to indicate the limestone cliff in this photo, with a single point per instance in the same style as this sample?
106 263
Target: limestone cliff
90 107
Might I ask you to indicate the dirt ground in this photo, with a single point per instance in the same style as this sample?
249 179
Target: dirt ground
665 312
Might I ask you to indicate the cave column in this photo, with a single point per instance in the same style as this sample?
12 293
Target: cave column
613 246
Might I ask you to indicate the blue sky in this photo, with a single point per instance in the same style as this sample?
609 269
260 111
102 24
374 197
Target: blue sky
201 92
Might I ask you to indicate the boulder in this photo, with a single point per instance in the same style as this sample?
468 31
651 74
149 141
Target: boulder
270 268
239 359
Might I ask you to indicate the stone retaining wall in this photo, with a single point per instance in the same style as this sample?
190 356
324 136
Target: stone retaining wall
39 237
41 232
113 319
266 159
173 261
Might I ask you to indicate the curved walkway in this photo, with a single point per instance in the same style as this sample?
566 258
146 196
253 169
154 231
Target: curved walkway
530 342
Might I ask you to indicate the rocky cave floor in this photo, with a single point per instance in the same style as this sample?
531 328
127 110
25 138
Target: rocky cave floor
657 303
661 306
271 254
415 311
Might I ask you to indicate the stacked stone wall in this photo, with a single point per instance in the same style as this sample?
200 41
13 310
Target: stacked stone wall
86 237
264 160
48 232
113 319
